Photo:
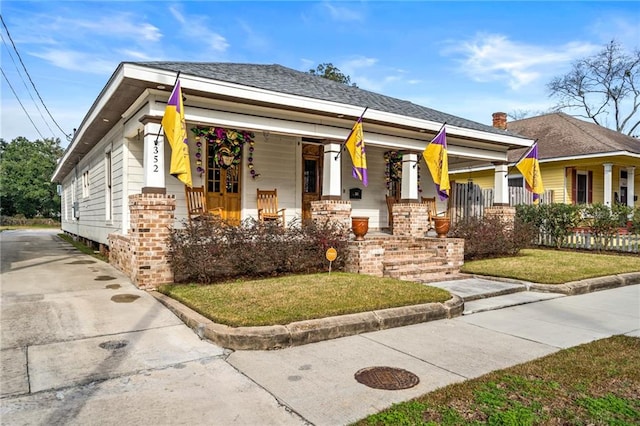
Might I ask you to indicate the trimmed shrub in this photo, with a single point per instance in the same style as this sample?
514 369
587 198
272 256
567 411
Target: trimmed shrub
556 220
211 251
488 237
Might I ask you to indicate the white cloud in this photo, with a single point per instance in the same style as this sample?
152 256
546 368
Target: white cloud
77 61
342 13
493 57
196 27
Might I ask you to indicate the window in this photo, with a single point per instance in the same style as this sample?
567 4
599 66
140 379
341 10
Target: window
108 190
85 184
582 188
516 182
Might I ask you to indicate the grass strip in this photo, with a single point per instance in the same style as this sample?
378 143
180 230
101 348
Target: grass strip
548 266
595 383
283 300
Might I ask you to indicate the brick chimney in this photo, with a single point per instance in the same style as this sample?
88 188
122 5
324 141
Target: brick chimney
500 120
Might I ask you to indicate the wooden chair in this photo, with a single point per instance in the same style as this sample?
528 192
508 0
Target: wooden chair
267 201
197 205
391 200
431 208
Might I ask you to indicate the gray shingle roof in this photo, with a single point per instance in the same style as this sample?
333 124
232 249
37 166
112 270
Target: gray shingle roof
561 135
286 80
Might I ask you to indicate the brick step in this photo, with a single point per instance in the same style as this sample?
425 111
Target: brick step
435 273
413 262
410 251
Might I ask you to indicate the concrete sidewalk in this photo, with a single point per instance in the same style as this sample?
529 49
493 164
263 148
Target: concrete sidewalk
81 345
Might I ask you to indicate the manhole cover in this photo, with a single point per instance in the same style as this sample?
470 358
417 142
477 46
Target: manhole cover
112 345
387 378
124 298
81 262
104 278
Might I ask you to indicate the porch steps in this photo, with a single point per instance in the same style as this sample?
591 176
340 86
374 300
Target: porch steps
411 261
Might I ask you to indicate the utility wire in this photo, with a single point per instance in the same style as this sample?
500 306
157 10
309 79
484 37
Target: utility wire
25 111
32 83
26 87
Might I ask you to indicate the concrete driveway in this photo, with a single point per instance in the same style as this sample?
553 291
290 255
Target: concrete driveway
81 345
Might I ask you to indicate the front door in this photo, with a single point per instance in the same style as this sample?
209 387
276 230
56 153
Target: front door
311 176
223 187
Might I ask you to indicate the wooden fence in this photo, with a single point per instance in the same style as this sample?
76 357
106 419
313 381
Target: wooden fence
469 200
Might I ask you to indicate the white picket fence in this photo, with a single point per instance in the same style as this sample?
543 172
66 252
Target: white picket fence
626 243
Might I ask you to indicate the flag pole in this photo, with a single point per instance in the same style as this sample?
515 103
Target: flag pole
160 130
509 169
350 133
441 127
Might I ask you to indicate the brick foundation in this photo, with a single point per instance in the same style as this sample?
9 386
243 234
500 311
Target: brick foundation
410 219
142 253
338 211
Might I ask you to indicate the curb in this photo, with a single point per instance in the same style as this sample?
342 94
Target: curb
309 331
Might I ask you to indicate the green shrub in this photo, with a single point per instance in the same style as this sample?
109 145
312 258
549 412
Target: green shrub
635 221
488 237
605 222
555 220
211 251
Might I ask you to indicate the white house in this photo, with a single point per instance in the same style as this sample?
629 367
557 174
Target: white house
298 122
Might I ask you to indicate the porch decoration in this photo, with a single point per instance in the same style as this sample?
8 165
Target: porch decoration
441 225
360 227
227 147
393 169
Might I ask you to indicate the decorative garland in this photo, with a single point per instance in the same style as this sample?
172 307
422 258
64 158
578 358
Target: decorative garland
393 169
227 147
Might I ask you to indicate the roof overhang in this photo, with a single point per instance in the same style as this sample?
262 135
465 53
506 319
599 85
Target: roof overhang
130 81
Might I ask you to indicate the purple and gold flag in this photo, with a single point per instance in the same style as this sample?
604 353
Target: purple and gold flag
435 155
530 169
355 145
175 130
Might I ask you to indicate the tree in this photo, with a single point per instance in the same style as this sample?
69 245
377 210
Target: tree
25 177
330 72
603 84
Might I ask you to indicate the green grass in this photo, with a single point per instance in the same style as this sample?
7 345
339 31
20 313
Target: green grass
83 248
593 384
283 300
554 266
35 226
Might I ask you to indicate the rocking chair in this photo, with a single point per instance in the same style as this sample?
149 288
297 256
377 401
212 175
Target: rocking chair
267 201
197 205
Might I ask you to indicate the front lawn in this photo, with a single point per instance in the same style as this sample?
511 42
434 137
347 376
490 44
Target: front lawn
593 384
546 266
283 300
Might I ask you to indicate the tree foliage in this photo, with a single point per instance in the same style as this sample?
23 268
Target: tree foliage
331 72
26 169
605 84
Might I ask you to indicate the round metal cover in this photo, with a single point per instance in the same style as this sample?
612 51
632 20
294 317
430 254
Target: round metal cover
387 378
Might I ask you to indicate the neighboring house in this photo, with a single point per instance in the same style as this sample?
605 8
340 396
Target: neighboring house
581 162
298 122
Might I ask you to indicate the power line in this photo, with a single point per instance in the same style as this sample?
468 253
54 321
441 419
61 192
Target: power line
32 83
26 87
23 108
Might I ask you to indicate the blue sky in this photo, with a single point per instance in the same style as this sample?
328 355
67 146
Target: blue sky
468 59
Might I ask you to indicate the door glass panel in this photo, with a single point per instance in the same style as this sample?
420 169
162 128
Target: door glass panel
310 176
232 181
213 173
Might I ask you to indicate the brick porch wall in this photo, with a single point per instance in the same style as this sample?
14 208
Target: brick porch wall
507 214
142 254
365 257
410 219
338 211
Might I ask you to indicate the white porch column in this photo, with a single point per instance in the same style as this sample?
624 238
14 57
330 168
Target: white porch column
153 160
500 184
409 188
331 172
631 175
608 168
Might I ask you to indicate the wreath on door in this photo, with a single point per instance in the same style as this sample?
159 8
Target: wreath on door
226 145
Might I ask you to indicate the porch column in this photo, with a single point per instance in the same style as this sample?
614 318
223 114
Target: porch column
500 184
631 175
331 172
608 168
409 189
153 160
